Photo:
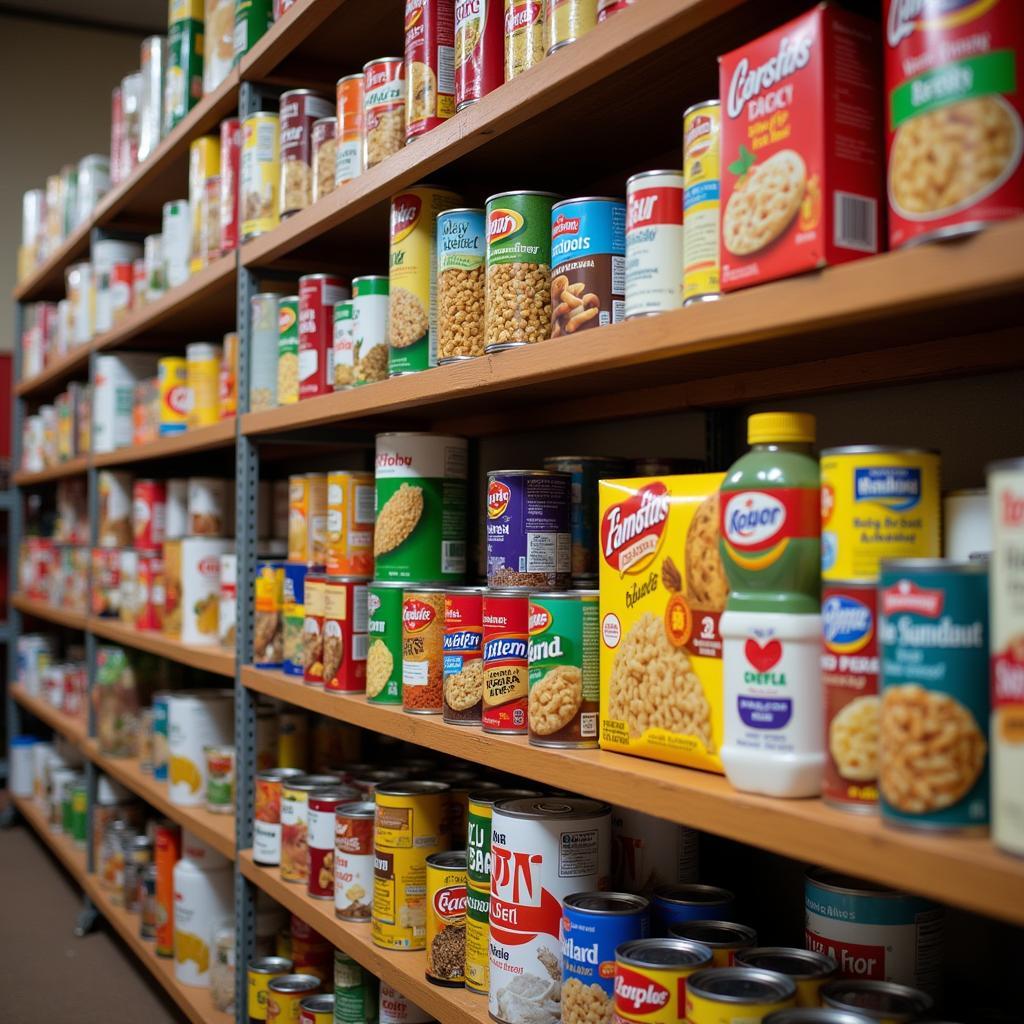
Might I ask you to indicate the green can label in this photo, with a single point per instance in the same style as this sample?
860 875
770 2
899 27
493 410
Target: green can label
478 845
183 87
252 19
343 346
384 651
478 933
420 532
355 991
288 326
564 658
370 328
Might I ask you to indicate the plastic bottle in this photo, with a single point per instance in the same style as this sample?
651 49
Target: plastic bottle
203 883
771 629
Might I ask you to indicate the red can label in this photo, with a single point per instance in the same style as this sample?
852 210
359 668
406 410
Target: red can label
506 643
479 49
149 513
230 155
463 656
353 866
320 842
150 610
606 8
429 65
317 295
344 635
849 673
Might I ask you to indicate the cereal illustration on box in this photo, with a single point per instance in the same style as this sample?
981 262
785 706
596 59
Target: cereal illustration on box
663 590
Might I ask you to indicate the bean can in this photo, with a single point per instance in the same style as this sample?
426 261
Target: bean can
383 109
353 860
446 918
343 346
318 294
266 832
348 157
287 350
463 655
259 174
370 328
344 634
849 675
260 972
506 632
412 306
565 21
725 939
461 246
479 49
701 205
300 108
672 904
172 373
808 969
323 805
651 977
384 632
731 995
933 641
524 36
422 650
518 268
429 65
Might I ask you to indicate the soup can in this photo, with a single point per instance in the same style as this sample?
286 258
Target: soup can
261 971
313 629
318 294
300 109
524 36
285 994
295 792
422 650
429 66
318 1009
383 109
463 655
322 809
345 634
350 519
353 860
506 664
266 826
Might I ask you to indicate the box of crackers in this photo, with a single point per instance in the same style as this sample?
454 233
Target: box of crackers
663 591
802 164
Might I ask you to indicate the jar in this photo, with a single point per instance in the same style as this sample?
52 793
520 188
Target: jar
203 897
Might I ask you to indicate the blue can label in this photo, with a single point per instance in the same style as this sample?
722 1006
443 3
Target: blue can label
933 751
461 240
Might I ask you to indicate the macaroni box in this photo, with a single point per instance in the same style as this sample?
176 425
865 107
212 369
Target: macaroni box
663 590
801 148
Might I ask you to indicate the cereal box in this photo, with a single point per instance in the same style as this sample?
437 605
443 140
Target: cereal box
801 148
663 590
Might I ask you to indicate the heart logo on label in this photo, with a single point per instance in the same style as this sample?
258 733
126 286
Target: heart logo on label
763 657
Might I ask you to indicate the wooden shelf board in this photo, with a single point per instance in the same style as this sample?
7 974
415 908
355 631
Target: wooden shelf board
219 435
195 1003
963 871
844 326
72 729
47 280
208 658
403 971
54 376
73 467
216 829
49 613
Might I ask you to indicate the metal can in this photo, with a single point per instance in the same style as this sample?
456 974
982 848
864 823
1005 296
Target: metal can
396 1009
478 932
287 350
313 629
293 614
285 994
348 156
588 257
353 860
166 853
230 169
316 529
648 852
220 778
816 1015
463 655
298 517
412 306
252 19
343 346
295 791
344 634
479 49
518 267
524 36
729 995
150 601
653 243
325 150
422 650
318 1009
206 504
966 524
873 932
311 952
407 830
460 284
1006 490
370 328
849 674
651 976
176 232
530 869
266 837
203 370
565 21
227 384
564 674
725 939
934 647
420 503
318 294
877 502
506 632
148 911
446 918
480 811
300 108
673 904
260 972
322 809
384 633
264 351
203 164
149 511
183 87
259 174
882 1001
350 518
809 970
429 65
355 991
529 541
702 174
594 926
383 109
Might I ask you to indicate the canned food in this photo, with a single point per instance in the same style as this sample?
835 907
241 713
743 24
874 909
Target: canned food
203 370
648 852
429 65
260 972
183 87
227 382
264 351
293 613
344 634
348 155
506 665
370 328
396 1009
295 793
446 918
259 174
203 165
651 977
353 860
384 633
252 19
268 622
149 508
318 1009
407 830
343 346
300 108
479 50
877 503
849 674
460 284
266 827
383 109
966 524
316 518
463 655
350 518
312 630
524 36
323 805
325 153
674 904
881 1001
518 264
933 751
809 970
285 994
298 517
220 779
817 1015
565 21
318 294
422 650
356 995
287 364
166 853
230 168
594 926
725 939
702 171
728 995
606 8
478 933
207 498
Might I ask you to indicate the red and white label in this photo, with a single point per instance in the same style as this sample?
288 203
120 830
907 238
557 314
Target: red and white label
632 530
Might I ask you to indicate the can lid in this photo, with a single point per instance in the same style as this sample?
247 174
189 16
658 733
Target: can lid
797 963
521 192
563 595
338 796
876 449
356 809
325 120
295 983
741 985
308 783
553 807
453 859
527 472
589 199
607 903
489 797
701 106
320 1003
976 566
461 209
383 60
270 965
664 953
877 999
693 894
413 788
1004 465
304 92
714 933
349 78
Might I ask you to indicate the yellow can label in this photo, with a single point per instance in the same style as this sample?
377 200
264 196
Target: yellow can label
701 1010
350 518
298 518
651 995
204 392
184 10
284 1007
203 164
259 175
567 20
446 909
259 984
875 505
172 375
701 184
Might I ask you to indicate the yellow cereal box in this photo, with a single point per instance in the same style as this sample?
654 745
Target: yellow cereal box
663 590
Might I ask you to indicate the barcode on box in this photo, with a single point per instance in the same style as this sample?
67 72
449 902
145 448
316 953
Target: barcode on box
855 220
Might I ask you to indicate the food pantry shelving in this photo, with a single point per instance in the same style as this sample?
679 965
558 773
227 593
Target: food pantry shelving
934 311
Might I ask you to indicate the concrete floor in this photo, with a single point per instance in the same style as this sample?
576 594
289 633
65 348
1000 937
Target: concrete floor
46 974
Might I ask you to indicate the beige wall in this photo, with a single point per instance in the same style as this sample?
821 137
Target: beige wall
56 83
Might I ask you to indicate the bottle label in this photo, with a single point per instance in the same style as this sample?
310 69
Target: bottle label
757 526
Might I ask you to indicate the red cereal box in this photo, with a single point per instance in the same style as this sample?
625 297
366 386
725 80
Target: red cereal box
801 148
953 115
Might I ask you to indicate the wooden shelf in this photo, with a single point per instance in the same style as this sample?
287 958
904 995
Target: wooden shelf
403 971
72 729
208 658
216 829
219 435
54 376
49 613
195 1003
73 467
959 870
47 280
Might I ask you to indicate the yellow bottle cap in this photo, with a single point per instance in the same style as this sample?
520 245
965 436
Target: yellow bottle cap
781 428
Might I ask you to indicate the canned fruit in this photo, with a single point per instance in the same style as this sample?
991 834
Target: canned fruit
702 160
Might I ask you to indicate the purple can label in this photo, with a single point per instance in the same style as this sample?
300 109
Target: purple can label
529 541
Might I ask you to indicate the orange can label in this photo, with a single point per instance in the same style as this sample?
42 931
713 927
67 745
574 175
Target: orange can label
350 517
298 519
